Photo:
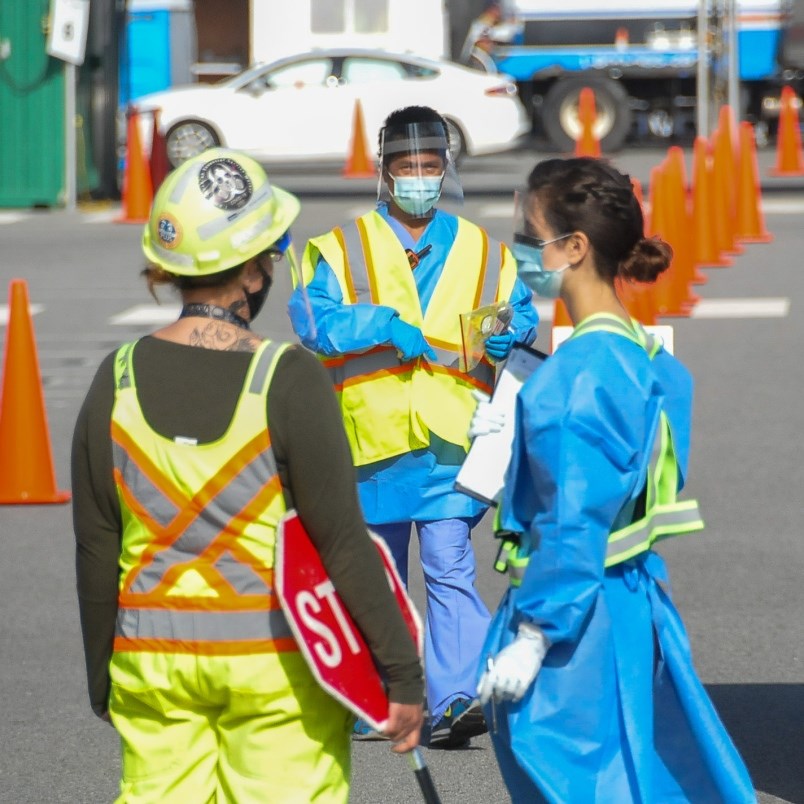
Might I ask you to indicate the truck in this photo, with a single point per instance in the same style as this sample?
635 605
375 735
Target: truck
641 61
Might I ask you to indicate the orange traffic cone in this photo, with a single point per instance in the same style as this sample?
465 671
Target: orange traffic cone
668 295
637 298
750 220
26 461
683 205
138 191
359 164
789 158
725 193
703 210
587 143
158 163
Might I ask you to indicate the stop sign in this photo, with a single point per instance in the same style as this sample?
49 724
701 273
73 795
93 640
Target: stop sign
325 631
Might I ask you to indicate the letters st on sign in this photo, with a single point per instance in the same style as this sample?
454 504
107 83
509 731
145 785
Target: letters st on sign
327 636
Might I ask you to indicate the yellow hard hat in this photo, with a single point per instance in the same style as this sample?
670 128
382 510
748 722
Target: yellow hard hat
215 211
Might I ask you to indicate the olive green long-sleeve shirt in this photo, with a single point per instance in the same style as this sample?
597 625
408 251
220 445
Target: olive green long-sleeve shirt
192 392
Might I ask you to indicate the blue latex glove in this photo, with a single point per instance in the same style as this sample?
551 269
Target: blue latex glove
498 346
409 341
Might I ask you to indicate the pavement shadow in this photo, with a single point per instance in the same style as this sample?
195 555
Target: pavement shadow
766 722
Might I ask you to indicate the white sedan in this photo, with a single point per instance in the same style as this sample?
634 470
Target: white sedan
302 108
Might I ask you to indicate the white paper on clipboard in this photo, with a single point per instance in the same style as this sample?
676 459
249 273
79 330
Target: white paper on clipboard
483 472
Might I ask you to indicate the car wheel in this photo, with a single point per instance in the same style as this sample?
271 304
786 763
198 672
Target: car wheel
189 138
560 112
457 142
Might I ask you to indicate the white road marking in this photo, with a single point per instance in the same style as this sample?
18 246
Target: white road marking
12 217
146 314
742 308
33 309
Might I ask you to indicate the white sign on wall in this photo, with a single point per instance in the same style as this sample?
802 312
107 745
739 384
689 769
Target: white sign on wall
69 20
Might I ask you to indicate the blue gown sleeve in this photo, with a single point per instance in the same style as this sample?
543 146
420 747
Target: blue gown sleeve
339 327
579 458
526 319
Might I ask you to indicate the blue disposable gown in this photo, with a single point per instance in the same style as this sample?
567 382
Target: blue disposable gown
617 713
419 485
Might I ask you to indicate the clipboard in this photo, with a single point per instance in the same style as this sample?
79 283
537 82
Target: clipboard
482 474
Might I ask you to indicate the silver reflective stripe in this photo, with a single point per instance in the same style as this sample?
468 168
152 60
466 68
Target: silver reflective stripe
263 367
158 505
221 224
447 357
181 185
491 279
171 257
359 365
607 325
202 531
241 576
356 262
217 626
666 522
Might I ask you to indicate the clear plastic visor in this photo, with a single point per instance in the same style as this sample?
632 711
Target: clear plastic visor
417 151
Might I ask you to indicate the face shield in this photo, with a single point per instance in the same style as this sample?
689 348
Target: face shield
417 168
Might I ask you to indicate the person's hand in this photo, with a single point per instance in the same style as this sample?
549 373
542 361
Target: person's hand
409 341
404 726
485 419
499 346
515 667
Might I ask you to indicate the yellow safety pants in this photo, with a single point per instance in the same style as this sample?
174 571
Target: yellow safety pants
234 729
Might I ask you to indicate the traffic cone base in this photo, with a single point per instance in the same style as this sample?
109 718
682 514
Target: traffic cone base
26 461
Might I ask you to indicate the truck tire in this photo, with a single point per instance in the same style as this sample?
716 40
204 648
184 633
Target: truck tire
560 112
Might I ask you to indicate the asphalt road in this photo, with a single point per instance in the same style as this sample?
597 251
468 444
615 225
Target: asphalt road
738 585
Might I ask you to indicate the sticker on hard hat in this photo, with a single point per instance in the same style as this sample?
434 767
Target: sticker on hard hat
169 231
225 184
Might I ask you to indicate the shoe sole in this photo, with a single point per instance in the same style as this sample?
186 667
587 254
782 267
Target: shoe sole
472 723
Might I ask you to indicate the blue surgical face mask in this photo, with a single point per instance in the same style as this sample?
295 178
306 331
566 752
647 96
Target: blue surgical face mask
417 195
546 284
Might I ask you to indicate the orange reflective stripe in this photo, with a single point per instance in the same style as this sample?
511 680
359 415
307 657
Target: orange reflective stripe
459 375
193 506
205 648
145 464
481 279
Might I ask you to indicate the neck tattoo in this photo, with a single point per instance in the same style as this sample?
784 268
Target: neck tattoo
195 310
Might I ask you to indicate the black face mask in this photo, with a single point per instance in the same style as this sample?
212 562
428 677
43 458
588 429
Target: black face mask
256 300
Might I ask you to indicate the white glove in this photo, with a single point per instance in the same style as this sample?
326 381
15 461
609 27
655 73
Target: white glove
515 667
485 419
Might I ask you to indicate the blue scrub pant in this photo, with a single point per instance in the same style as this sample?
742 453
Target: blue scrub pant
456 619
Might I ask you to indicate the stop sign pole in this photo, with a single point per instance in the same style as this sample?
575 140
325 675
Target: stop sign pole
328 637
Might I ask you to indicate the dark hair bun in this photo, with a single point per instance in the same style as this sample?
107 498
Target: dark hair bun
647 259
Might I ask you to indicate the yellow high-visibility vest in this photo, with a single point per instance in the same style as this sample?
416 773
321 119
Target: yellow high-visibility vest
390 407
664 514
199 527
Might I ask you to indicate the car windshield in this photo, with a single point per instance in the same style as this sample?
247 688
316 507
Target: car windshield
308 72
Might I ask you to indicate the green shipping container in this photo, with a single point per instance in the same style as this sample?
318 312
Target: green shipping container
31 108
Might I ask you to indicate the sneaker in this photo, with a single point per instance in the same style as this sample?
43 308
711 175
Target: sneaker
462 720
363 731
